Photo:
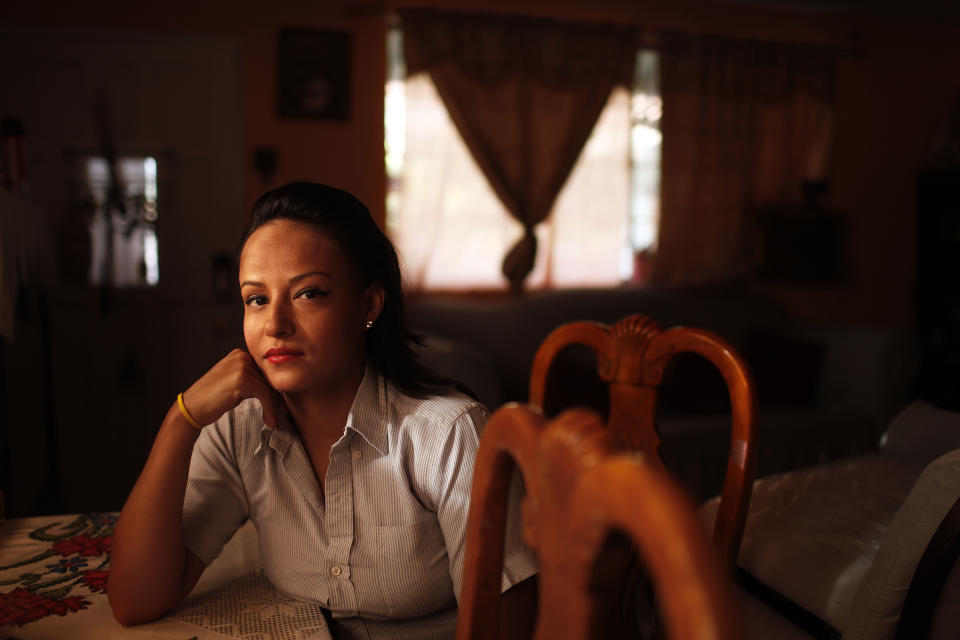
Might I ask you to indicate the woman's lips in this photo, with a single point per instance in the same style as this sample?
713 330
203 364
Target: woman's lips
279 356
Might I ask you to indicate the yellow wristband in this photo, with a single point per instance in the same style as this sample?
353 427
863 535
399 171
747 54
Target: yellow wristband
186 414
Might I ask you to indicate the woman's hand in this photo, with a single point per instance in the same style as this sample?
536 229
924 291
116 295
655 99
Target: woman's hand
149 538
227 384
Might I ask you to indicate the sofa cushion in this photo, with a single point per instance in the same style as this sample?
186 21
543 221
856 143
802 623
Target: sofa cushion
692 385
573 381
876 608
787 371
921 433
509 330
812 534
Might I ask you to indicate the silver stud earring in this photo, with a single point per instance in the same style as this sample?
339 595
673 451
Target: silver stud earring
369 324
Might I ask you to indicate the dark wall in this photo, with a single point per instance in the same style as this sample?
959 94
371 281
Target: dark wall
198 84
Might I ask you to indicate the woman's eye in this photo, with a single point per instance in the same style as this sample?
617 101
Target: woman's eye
255 300
310 294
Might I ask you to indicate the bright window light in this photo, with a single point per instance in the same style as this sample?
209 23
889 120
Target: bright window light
123 234
452 231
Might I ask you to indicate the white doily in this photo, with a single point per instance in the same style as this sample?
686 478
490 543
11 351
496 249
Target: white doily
250 608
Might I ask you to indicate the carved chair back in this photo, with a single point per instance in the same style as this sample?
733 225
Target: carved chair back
580 488
632 355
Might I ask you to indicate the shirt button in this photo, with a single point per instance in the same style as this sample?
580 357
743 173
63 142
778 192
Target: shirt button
357 454
336 570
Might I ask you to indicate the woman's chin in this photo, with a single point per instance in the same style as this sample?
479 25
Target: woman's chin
296 383
287 384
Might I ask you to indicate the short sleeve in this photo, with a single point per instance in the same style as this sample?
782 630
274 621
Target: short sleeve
215 504
454 481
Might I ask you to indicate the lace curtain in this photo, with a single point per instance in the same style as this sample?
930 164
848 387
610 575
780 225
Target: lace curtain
525 95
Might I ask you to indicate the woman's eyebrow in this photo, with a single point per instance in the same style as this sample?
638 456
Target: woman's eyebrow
308 274
254 283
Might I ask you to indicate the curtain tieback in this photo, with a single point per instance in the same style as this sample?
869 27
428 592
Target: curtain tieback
518 262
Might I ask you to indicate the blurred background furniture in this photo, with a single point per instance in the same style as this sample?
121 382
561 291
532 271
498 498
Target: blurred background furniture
864 547
580 490
823 392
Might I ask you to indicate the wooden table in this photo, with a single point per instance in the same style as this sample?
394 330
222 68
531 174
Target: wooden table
53 575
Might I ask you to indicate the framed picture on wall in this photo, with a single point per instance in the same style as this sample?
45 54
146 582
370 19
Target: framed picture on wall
313 74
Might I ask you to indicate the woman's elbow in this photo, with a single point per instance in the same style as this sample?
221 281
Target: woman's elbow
126 615
126 608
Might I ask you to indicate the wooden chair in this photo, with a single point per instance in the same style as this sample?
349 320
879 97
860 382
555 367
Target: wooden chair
579 490
632 355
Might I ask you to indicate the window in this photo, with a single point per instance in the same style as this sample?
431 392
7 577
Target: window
123 236
646 109
452 231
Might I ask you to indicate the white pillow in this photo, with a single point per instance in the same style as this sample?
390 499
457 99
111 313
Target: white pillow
878 602
922 432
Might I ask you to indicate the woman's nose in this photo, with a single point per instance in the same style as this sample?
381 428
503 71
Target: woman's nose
279 323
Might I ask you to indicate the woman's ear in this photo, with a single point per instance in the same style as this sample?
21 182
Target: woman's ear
375 296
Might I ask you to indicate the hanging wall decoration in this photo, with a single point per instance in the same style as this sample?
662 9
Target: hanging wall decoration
313 74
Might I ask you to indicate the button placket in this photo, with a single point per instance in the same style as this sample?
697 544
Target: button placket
339 521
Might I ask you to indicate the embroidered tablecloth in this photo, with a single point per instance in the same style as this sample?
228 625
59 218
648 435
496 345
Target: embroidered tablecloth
53 575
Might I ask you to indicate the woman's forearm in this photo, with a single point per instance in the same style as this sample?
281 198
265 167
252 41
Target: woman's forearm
151 570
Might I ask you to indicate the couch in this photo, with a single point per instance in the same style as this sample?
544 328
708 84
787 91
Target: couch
824 392
844 540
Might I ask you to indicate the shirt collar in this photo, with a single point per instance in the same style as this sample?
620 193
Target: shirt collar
281 438
368 414
367 417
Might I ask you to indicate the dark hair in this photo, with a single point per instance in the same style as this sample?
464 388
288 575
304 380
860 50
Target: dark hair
389 345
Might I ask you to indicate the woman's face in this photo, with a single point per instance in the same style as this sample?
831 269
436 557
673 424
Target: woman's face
304 310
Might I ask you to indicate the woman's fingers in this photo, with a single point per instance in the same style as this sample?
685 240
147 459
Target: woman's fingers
228 383
270 400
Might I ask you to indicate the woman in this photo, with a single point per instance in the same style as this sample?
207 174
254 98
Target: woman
353 462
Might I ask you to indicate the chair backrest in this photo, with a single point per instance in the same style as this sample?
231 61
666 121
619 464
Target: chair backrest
579 490
632 355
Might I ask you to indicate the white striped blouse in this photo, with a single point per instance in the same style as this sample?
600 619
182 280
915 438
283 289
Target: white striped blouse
388 542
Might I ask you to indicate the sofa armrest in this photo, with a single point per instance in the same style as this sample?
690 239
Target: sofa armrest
876 608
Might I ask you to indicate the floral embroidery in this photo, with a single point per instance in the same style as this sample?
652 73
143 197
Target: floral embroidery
96 581
67 564
41 587
84 546
21 606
